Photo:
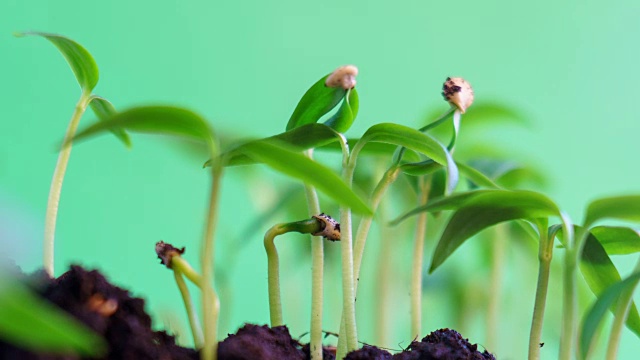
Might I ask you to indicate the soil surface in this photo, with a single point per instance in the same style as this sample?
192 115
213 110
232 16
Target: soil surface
121 320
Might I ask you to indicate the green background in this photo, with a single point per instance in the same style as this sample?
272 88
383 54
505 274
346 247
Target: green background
571 67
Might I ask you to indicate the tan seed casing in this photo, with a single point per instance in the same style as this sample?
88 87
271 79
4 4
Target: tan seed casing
458 92
344 77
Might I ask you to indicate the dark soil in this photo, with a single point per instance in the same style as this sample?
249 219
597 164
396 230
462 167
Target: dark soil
121 320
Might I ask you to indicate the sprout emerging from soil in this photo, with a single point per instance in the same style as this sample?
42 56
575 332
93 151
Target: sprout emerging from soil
318 225
344 77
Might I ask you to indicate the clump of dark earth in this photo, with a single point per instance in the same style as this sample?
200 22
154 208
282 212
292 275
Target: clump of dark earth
121 320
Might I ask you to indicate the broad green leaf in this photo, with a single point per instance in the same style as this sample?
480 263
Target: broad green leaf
412 139
600 273
285 160
420 168
301 138
315 103
479 215
342 120
34 324
80 60
617 240
104 110
164 120
607 300
617 207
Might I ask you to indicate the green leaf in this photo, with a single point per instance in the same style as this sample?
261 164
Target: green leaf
472 219
412 139
164 120
617 240
480 209
284 159
80 60
374 149
104 110
600 273
301 138
607 300
315 103
617 207
34 324
476 177
342 120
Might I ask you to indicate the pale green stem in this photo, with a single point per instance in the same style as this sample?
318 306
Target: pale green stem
349 334
365 223
383 279
196 330
273 262
545 252
56 184
498 248
620 317
570 306
418 256
210 301
317 275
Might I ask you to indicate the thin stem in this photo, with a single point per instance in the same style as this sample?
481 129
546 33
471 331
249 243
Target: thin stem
383 279
273 262
317 276
350 332
196 330
545 252
210 301
570 306
498 248
620 316
418 256
365 223
56 185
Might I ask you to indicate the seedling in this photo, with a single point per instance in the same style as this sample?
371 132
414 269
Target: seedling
429 165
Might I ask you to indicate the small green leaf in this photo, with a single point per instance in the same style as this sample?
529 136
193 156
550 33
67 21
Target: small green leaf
607 300
31 323
80 60
412 139
164 120
600 273
315 103
342 120
616 207
617 240
286 160
301 138
104 110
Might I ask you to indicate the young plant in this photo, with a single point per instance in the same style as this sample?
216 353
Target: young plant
86 71
479 209
320 225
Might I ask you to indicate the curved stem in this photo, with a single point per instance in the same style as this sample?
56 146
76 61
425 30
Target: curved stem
210 301
56 185
273 262
620 316
545 252
418 256
317 277
196 331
